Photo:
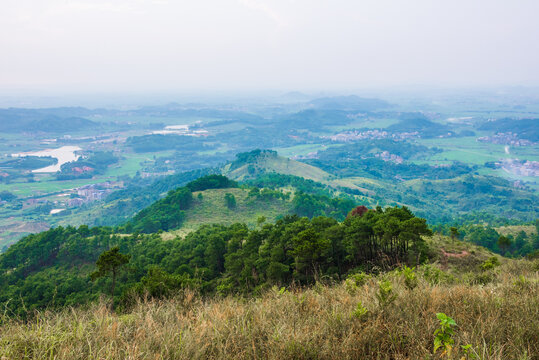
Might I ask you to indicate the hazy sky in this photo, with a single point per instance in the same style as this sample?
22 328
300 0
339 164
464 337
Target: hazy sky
177 45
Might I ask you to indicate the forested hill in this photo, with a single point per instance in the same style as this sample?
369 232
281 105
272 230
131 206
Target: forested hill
53 268
261 198
354 172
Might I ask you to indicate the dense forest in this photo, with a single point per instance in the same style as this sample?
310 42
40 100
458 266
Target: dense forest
52 268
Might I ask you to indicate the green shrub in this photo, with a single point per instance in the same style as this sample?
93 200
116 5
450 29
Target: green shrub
354 281
434 275
443 336
491 263
385 294
410 277
360 312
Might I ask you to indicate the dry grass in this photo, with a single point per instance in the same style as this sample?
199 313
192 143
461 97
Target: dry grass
500 321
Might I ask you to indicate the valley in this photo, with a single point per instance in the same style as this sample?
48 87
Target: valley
389 154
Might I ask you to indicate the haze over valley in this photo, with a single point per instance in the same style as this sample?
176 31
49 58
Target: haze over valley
255 179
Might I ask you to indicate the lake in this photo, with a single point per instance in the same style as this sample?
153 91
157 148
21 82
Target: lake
63 154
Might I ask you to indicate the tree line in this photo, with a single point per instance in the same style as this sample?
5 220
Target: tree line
54 268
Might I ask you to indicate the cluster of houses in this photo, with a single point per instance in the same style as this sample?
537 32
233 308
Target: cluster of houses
311 155
182 130
505 139
93 192
521 168
355 135
386 156
81 170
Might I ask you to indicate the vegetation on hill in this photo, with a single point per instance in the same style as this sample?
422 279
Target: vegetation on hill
28 162
510 241
525 128
160 142
169 212
37 120
440 193
87 166
418 122
120 206
387 316
51 268
253 164
365 159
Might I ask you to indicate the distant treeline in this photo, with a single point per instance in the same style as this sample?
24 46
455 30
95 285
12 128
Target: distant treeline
160 142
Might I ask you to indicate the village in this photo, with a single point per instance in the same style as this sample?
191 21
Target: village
356 135
505 139
76 197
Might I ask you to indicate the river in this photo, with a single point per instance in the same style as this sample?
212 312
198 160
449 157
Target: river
63 154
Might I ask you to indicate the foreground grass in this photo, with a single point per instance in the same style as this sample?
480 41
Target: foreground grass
499 320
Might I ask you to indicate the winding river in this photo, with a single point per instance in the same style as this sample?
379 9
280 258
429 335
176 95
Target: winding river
63 154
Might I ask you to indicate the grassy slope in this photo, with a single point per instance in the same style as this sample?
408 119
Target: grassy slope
287 166
496 319
212 210
279 165
515 229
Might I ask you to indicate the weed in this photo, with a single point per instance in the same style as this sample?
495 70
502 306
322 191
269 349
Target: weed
354 281
410 277
443 336
360 312
385 294
491 263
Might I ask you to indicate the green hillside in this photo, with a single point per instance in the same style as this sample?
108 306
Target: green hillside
211 209
210 259
257 162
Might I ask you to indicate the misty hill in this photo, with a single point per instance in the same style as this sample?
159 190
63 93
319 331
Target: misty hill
35 120
412 122
526 128
349 103
314 119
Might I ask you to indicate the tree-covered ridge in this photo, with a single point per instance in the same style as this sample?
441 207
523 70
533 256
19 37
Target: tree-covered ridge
52 268
509 241
169 212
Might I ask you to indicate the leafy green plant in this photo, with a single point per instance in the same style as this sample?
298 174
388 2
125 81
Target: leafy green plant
385 293
443 336
410 277
354 281
435 276
360 312
490 264
522 283
469 350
